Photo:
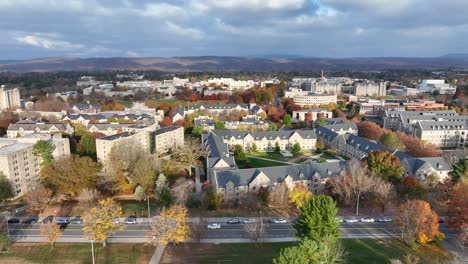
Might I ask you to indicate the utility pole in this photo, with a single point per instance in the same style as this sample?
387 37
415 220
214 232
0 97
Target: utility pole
92 249
149 216
261 227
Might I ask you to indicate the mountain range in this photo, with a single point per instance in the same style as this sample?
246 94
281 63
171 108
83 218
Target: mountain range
224 63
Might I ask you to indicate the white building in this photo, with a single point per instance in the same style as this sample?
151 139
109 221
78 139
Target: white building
430 86
18 163
370 88
22 129
9 99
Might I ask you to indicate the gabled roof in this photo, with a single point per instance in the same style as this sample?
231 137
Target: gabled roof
41 126
270 135
243 177
87 106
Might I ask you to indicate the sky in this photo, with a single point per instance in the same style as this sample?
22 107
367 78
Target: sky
309 28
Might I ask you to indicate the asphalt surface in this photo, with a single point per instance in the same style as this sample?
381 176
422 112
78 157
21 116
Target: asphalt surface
140 232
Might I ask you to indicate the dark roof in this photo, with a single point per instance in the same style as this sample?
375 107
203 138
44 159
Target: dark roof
284 134
88 106
119 135
165 129
344 126
242 177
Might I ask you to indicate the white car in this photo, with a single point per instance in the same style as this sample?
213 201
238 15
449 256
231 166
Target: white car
367 220
384 219
116 220
249 221
350 220
280 221
214 226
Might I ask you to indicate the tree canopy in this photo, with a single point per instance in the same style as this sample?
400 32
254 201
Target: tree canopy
311 252
317 219
99 220
391 140
6 189
86 146
385 165
43 149
71 175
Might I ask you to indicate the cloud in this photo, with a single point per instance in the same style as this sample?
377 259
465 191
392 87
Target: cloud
37 40
232 27
192 33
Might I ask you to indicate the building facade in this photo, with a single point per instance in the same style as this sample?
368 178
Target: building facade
21 129
370 88
9 99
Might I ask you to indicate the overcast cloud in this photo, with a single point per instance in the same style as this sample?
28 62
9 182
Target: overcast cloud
314 28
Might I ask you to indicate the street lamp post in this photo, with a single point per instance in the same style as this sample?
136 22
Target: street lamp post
261 227
92 249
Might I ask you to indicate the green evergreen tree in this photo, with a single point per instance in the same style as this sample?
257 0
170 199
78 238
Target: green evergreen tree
321 122
277 147
310 251
219 125
317 219
296 148
287 120
391 140
43 150
86 146
6 190
239 153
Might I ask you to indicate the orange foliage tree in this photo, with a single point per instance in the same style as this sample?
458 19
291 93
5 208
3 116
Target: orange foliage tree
419 148
458 206
418 222
370 130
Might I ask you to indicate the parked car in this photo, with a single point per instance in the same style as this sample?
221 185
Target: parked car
48 219
367 220
233 221
30 220
384 219
280 221
13 221
131 220
214 226
116 220
61 221
350 220
249 221
76 220
442 220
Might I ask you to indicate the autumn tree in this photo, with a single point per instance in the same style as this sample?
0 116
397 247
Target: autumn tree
353 182
383 193
51 232
139 193
43 150
4 241
299 195
193 97
6 189
458 205
418 222
37 196
279 196
317 219
370 130
255 230
99 220
144 172
385 165
170 226
188 155
181 190
391 140
310 251
239 153
263 195
411 188
71 174
88 197
419 148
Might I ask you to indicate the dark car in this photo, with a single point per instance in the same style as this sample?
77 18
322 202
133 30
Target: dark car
48 219
13 221
30 220
442 220
131 220
234 221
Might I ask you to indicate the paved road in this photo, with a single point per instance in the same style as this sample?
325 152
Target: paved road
139 233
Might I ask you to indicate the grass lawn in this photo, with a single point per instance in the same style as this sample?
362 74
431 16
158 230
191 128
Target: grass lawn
366 251
258 163
77 253
381 250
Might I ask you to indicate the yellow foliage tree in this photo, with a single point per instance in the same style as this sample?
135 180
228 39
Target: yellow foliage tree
299 195
51 231
170 226
99 221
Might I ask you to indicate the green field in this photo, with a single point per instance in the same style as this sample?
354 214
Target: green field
77 253
358 251
258 163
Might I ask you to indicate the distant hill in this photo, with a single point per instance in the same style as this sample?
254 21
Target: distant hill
215 63
456 56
